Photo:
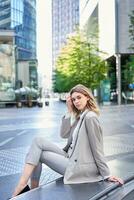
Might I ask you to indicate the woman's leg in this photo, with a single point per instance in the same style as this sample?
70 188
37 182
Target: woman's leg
55 161
43 145
28 169
32 160
35 177
39 145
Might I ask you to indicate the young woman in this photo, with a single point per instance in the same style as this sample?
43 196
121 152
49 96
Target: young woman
82 160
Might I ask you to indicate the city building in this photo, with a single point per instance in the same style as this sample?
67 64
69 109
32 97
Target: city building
7 65
28 72
65 19
111 18
20 17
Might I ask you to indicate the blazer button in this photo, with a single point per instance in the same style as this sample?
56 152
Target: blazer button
75 160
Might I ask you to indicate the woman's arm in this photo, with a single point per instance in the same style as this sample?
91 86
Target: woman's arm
94 132
65 126
96 143
68 119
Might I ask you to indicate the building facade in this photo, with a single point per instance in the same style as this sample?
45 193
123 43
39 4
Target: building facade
112 21
20 15
7 65
65 19
28 72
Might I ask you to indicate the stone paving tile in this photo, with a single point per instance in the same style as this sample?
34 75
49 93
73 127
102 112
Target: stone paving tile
48 175
12 162
118 144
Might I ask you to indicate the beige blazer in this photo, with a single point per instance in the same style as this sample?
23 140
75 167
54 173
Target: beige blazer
87 162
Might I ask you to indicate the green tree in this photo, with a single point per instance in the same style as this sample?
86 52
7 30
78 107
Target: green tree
128 72
79 62
131 29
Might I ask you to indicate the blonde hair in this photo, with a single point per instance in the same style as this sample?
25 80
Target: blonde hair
91 103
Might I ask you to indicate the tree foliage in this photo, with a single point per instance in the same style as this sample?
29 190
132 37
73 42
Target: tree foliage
128 72
79 62
131 29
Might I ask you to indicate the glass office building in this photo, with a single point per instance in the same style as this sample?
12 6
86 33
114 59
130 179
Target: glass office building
17 45
113 20
20 15
65 18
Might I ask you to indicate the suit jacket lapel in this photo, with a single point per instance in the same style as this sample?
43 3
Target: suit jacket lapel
78 128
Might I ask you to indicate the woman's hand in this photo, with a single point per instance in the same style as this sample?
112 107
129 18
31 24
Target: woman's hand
116 179
69 104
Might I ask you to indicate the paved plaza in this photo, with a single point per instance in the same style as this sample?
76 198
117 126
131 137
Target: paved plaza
19 126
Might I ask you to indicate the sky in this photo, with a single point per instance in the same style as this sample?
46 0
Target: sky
44 43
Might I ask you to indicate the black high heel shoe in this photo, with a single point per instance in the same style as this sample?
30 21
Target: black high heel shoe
25 189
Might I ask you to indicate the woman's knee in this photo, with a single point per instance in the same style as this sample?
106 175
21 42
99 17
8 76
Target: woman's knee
38 141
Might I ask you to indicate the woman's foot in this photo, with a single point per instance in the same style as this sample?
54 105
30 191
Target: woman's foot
28 169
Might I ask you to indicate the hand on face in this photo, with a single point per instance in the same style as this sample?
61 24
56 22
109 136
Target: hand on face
116 179
69 103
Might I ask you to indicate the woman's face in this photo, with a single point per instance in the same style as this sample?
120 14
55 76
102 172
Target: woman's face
79 100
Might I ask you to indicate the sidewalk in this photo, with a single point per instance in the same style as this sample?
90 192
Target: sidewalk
118 128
